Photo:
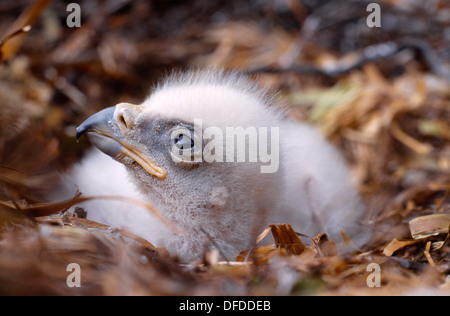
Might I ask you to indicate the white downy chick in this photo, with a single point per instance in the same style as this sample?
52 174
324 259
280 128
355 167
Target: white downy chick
216 156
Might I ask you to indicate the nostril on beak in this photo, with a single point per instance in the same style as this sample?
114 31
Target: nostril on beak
122 121
125 115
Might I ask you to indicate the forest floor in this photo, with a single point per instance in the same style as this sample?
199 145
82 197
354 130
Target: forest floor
380 95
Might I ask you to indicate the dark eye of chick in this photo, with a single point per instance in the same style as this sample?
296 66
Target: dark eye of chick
184 142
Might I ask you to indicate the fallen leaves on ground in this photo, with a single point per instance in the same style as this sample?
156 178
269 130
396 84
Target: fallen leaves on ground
389 116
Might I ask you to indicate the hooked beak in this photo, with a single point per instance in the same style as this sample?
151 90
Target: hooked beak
107 130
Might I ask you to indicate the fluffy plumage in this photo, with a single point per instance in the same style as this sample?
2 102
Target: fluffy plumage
225 204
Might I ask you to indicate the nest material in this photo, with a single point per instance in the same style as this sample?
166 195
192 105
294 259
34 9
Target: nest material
389 116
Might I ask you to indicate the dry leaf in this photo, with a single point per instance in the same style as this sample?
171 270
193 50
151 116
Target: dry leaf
13 39
88 224
430 225
408 141
286 237
258 254
263 234
396 244
427 254
348 244
437 245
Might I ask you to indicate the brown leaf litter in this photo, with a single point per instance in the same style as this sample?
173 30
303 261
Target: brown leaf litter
388 115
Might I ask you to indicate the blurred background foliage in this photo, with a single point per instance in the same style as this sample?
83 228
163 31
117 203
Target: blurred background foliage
381 95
